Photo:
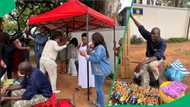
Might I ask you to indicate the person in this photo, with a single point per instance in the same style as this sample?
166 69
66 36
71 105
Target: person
35 88
19 51
72 56
8 50
117 50
3 65
49 54
40 40
156 46
101 66
120 73
82 76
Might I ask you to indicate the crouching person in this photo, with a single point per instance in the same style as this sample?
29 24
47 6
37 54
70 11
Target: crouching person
149 72
35 87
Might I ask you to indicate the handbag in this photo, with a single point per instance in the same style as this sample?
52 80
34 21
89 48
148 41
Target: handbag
106 67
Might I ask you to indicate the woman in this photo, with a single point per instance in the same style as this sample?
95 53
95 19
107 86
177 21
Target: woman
101 66
18 54
82 78
72 56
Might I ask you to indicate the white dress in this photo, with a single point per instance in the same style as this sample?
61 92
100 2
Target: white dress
82 79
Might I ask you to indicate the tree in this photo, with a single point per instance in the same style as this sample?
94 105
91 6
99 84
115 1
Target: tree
26 8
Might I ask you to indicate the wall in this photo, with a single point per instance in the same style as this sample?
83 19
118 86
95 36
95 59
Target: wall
172 21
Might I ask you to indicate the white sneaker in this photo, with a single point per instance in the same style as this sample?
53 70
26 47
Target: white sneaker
57 91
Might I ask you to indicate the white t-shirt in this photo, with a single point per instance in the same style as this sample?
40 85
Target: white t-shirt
51 50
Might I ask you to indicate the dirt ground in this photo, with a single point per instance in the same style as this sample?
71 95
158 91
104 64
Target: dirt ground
67 84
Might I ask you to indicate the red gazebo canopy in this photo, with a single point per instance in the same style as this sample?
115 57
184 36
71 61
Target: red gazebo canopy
71 16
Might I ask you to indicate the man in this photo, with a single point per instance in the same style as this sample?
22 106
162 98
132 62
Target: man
156 47
35 87
40 41
49 55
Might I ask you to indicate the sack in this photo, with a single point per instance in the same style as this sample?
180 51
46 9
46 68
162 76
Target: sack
176 71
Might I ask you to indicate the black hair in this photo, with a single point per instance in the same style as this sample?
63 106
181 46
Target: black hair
98 39
155 28
84 35
74 41
55 35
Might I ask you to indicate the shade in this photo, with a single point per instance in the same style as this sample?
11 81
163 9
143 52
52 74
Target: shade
71 16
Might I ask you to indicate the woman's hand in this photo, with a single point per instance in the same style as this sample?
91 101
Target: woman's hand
2 64
83 53
2 99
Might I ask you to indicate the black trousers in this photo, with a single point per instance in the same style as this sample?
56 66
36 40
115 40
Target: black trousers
8 70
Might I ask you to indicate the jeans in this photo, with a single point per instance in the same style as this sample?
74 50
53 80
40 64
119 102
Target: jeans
99 83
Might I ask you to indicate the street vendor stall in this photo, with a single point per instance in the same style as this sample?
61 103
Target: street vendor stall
73 16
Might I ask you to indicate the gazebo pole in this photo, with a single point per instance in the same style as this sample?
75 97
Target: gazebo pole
67 34
114 47
87 30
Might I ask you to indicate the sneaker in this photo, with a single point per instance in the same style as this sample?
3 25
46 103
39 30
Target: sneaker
56 91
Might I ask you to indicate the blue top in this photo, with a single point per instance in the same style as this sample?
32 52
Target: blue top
153 49
40 41
100 62
36 83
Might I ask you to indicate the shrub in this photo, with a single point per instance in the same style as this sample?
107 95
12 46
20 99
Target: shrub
176 40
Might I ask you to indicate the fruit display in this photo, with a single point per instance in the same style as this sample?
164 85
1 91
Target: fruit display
130 93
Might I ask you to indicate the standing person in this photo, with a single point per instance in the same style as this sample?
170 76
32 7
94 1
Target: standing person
101 66
35 88
117 50
18 54
40 40
3 37
156 46
8 50
82 78
49 55
72 56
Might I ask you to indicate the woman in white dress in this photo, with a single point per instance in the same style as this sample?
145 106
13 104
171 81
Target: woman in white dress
82 78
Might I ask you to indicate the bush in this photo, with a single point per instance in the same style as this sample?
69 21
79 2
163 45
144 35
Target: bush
136 40
176 40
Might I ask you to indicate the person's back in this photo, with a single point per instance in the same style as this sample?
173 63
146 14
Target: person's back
49 50
40 41
36 83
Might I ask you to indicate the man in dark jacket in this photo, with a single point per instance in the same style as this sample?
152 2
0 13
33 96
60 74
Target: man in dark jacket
34 89
156 46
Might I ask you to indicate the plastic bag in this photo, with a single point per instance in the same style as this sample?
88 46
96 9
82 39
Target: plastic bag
176 71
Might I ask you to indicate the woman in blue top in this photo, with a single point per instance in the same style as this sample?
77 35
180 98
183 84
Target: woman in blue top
101 66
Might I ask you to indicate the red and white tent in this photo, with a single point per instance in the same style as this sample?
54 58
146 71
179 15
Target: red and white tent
72 16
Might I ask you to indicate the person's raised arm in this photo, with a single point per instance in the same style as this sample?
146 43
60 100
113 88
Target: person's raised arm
146 34
135 21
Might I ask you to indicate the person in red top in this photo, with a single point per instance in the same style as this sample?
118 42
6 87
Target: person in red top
117 50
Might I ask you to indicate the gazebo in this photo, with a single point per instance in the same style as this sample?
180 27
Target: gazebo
74 16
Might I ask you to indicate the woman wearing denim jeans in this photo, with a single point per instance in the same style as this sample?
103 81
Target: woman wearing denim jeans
100 64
